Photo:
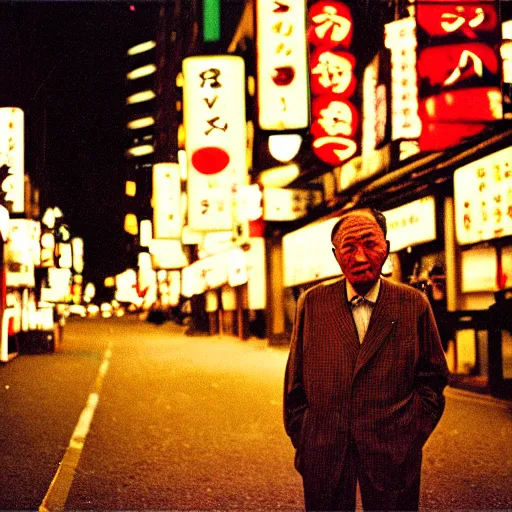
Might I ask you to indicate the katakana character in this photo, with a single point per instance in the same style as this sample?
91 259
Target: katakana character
212 122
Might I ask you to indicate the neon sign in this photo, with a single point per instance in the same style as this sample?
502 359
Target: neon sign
458 69
335 119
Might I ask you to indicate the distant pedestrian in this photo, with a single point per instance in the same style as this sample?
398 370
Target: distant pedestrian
364 380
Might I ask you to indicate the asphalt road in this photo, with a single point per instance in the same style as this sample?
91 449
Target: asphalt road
195 423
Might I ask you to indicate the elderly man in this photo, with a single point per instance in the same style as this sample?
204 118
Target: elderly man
364 380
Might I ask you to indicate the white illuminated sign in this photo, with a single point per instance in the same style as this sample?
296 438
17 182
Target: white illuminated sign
237 267
506 51
411 224
256 274
215 242
483 198
282 204
215 138
400 38
4 222
59 281
478 270
369 125
167 200
77 245
21 252
191 281
282 65
12 154
146 232
215 271
126 287
167 254
300 263
65 255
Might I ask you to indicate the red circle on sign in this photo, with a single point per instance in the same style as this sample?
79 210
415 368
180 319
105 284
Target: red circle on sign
210 160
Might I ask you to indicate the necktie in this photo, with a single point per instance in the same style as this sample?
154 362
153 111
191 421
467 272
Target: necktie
357 300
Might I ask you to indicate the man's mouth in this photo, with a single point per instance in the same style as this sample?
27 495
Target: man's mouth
361 270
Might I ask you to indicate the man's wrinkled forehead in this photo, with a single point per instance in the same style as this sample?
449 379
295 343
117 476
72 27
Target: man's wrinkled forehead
356 225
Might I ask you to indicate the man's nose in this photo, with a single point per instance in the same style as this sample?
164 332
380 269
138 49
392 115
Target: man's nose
360 255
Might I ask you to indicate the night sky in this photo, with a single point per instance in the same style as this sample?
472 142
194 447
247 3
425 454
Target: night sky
64 64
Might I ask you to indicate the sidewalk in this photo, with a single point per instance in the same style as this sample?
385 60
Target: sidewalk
476 396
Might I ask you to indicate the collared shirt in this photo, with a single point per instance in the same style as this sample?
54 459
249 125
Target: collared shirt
362 311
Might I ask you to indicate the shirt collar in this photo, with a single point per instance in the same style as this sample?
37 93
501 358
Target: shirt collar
371 296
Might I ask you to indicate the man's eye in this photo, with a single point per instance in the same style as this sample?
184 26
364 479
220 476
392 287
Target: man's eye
370 244
348 248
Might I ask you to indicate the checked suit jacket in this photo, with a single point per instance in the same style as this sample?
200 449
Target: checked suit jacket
385 395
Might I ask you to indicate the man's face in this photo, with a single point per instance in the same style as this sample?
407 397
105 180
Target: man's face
360 249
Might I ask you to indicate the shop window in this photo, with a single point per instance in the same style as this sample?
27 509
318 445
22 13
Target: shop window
478 270
466 353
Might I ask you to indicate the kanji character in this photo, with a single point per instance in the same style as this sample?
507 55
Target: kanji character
328 19
337 119
334 70
465 56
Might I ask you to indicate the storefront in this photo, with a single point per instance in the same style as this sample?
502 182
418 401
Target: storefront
483 226
233 284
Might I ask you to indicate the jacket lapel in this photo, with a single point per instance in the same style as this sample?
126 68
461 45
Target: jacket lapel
383 320
344 323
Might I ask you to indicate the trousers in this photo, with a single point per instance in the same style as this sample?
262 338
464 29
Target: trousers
344 496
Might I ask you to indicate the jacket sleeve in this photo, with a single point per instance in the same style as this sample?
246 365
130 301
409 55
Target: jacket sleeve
295 401
432 372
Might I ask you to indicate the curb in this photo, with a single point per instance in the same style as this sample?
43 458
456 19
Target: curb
478 397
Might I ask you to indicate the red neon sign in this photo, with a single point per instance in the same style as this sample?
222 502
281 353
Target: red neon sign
459 71
335 120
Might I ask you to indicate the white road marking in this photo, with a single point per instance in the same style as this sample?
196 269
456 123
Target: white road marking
58 491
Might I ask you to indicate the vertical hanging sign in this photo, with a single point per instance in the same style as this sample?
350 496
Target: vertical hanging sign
167 200
282 69
215 138
335 119
400 39
12 154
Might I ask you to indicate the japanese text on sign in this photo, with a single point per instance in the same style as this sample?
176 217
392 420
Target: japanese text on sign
483 198
282 64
